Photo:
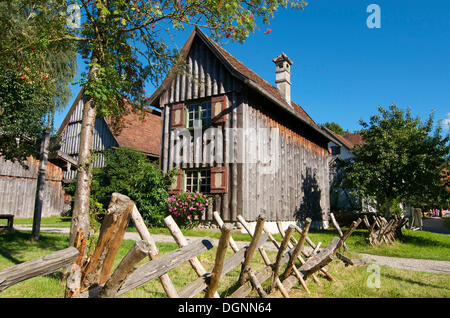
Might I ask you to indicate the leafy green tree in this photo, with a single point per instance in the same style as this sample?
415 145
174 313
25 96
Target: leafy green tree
401 159
335 128
35 71
19 109
130 172
125 44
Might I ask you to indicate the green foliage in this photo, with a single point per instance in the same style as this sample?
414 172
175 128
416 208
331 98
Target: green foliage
187 208
129 172
35 71
31 45
127 44
401 159
21 116
335 128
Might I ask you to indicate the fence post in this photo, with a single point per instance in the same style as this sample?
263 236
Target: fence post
218 264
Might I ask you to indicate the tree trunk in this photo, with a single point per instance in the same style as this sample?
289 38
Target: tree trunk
388 208
40 186
80 215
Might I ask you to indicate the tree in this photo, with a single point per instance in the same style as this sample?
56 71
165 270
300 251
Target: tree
30 54
335 128
34 81
125 45
401 159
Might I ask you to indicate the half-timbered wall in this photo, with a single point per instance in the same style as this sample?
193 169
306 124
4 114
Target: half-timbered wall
103 139
303 165
204 77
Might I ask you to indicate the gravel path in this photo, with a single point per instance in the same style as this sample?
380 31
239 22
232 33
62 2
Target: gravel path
435 225
396 262
421 265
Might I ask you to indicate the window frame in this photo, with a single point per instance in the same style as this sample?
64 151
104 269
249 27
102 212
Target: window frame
202 106
198 178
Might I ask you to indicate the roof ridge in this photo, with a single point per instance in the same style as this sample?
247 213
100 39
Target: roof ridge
275 91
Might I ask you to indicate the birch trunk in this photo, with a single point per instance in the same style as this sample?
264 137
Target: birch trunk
80 214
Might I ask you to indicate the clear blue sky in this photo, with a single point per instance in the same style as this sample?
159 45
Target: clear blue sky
343 70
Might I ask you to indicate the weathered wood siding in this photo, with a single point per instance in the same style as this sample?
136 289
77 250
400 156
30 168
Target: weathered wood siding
303 165
298 186
18 189
204 77
103 139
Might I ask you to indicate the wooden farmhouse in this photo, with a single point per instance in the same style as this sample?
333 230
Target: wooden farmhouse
137 133
240 139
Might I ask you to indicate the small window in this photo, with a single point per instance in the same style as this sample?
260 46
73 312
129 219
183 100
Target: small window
335 150
198 181
200 112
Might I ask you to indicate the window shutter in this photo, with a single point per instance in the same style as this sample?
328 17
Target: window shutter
219 180
177 185
218 106
178 116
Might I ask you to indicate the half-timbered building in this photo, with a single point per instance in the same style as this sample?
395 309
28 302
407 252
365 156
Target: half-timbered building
139 133
240 139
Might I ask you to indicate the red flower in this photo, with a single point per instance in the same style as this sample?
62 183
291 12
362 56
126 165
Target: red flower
228 35
22 77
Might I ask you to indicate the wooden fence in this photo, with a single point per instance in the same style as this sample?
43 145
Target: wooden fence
93 277
382 230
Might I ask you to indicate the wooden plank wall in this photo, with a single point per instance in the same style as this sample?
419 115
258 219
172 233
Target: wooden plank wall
103 139
18 189
203 78
280 194
249 192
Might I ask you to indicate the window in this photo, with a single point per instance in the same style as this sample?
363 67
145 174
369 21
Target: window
198 181
335 150
200 112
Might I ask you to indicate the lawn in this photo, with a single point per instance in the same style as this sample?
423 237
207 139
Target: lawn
415 244
351 281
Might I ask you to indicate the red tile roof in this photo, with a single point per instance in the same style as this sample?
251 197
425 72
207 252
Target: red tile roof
353 138
143 134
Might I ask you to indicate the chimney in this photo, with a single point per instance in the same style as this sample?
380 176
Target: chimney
283 76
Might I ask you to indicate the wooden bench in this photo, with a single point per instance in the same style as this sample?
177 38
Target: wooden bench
9 226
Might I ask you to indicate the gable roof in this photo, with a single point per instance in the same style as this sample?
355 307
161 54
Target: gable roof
339 139
242 72
143 134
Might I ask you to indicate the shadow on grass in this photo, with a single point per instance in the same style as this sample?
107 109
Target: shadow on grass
410 281
421 241
13 244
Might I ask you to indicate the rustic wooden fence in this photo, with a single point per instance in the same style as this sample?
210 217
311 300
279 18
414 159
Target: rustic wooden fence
92 277
382 230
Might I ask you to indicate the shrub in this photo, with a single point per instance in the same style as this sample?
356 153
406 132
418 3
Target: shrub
129 172
187 208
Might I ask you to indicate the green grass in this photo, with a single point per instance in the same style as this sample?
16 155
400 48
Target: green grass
53 221
350 282
415 244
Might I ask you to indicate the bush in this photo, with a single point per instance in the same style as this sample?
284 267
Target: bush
187 208
129 172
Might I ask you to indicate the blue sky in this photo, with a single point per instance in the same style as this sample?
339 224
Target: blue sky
342 69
